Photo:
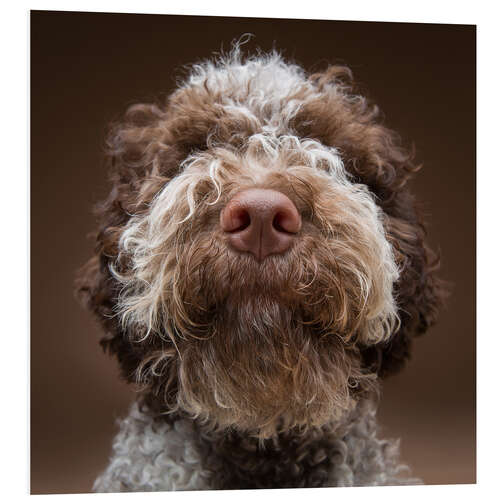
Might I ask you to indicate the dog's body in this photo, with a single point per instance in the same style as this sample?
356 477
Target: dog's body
260 265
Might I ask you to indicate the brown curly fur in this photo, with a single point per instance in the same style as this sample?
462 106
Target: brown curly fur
145 152
378 160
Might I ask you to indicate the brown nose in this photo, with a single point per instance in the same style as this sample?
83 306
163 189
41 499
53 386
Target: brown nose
260 221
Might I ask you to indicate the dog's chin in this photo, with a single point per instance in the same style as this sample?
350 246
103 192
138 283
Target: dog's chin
265 370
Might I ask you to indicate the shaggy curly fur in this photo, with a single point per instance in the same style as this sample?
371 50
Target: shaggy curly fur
179 455
267 372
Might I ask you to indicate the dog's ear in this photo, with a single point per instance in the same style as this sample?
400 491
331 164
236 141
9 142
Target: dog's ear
419 291
139 161
339 117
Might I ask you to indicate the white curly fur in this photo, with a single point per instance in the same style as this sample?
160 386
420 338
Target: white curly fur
152 457
264 89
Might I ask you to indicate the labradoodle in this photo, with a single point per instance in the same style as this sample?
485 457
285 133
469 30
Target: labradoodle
260 266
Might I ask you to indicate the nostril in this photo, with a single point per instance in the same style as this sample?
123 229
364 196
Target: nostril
235 218
285 222
282 224
240 220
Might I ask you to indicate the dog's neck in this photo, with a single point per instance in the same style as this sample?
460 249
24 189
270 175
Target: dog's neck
325 456
178 453
291 459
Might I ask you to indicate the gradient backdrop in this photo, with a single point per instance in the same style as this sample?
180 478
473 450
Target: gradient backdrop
86 68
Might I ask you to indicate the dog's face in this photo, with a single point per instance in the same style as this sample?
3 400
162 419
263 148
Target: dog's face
260 259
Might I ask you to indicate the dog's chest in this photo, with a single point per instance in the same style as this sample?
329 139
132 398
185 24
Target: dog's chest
285 462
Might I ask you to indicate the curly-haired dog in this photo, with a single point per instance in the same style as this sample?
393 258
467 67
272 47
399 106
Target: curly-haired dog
260 265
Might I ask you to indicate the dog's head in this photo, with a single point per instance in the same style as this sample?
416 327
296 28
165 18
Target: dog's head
260 260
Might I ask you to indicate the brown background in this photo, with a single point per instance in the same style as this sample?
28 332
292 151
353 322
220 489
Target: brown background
86 68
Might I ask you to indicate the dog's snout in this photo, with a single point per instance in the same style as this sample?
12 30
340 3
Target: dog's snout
260 221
